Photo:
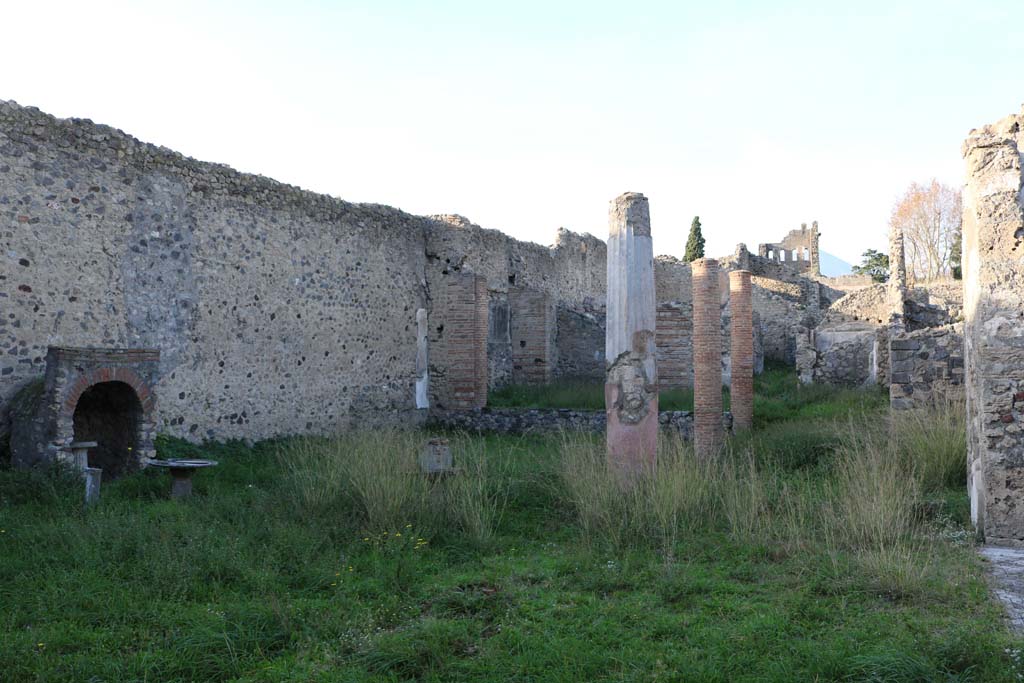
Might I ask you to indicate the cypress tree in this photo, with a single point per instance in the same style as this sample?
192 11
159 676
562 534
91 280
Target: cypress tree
695 243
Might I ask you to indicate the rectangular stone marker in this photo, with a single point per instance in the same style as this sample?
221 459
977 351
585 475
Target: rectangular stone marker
741 350
707 359
993 268
422 361
631 379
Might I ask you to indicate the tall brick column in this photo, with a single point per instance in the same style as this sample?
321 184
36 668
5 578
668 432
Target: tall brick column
741 346
631 379
707 359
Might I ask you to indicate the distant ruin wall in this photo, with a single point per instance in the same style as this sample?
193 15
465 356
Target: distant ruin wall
993 267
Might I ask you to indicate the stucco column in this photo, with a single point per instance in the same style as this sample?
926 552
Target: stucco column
631 380
707 359
422 361
741 350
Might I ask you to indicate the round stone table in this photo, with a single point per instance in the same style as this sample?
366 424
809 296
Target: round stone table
181 473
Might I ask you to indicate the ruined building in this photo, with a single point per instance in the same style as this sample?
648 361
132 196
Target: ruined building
798 250
215 304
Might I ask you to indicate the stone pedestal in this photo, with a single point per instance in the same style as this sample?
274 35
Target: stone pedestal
436 457
707 358
741 350
631 380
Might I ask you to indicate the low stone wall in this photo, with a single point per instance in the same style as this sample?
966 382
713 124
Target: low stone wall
926 365
550 420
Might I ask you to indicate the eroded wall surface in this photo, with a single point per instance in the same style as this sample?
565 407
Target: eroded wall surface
276 310
993 267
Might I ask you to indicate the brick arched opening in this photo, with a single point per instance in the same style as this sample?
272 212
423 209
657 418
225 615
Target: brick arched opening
111 414
91 394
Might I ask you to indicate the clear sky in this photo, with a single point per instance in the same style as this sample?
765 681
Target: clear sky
526 116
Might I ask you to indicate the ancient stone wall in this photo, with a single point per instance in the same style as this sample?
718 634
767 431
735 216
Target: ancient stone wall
275 310
927 365
993 267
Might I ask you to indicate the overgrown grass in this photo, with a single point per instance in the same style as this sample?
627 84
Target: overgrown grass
815 548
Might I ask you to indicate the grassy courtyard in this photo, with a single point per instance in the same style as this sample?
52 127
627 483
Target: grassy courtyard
830 545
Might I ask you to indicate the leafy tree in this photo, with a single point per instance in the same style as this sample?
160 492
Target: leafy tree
875 264
929 216
955 254
695 243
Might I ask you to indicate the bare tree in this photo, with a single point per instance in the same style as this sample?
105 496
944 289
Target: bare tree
930 217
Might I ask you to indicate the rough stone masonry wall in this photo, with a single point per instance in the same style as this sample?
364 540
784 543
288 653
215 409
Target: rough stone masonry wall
276 310
927 365
993 267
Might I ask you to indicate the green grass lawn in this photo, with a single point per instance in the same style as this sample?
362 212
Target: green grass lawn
269 575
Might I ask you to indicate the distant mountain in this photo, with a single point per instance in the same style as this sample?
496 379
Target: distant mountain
833 266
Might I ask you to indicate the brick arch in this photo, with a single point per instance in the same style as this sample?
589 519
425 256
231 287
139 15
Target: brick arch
109 374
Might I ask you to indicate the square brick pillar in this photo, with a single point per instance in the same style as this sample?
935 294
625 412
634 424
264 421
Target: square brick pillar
708 436
532 326
466 341
741 345
631 378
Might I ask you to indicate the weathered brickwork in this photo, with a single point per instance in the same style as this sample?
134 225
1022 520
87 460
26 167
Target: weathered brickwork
94 395
674 345
927 366
707 358
742 349
993 267
465 385
532 325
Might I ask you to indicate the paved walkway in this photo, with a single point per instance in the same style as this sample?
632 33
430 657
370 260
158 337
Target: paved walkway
1007 565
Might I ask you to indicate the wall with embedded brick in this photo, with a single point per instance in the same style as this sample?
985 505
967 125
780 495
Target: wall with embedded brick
275 310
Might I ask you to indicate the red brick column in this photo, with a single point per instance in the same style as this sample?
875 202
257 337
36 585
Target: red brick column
707 358
741 350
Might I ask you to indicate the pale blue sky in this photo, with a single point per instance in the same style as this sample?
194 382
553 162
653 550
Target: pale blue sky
526 116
